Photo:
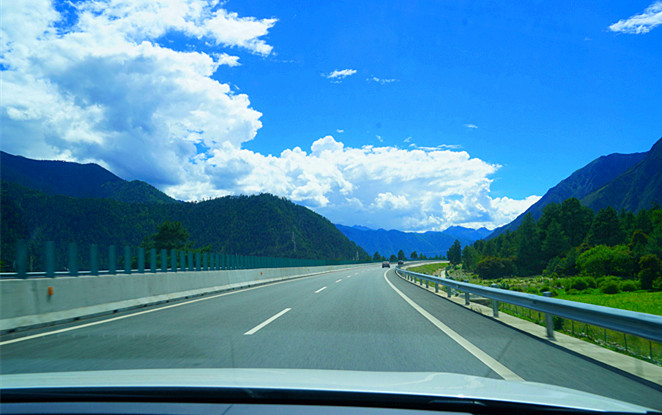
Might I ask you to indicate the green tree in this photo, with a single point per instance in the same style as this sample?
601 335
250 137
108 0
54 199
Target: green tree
170 235
607 260
413 255
454 253
575 220
393 258
605 229
529 255
469 258
376 256
401 255
651 270
493 267
555 242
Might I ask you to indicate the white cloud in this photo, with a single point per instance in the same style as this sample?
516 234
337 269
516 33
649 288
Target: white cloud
472 126
339 75
225 59
407 140
105 90
339 131
408 189
640 23
381 80
379 137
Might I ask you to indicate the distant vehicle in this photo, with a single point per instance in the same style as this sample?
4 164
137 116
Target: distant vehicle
401 262
386 264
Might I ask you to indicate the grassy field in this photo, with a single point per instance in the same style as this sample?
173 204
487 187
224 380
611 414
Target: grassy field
429 269
641 301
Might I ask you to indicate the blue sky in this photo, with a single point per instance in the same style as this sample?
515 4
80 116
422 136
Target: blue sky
407 115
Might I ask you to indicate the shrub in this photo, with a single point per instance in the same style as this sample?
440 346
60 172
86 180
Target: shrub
651 270
609 287
628 285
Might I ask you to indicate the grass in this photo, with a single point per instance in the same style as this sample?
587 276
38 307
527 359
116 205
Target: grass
641 301
429 269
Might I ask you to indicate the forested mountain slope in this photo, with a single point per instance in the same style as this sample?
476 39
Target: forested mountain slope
622 181
263 225
77 180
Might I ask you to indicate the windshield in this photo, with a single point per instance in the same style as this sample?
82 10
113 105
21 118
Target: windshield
293 185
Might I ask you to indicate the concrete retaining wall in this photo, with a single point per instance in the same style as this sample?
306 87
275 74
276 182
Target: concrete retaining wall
27 303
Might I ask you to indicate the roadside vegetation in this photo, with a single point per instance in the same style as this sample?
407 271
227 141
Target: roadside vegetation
605 258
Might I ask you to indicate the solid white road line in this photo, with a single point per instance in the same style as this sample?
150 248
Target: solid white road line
490 362
337 281
321 289
263 324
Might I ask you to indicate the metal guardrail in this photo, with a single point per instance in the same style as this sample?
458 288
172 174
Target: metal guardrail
647 326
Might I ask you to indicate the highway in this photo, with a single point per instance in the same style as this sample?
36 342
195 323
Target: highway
361 319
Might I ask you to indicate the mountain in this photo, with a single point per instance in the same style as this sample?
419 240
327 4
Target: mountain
622 181
262 225
77 180
638 188
467 233
388 242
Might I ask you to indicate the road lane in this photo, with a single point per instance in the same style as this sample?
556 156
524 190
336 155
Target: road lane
360 323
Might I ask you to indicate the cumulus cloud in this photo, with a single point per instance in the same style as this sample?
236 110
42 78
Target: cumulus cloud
640 23
339 131
339 75
472 126
106 87
409 189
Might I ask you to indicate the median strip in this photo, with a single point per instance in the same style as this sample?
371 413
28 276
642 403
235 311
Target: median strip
263 324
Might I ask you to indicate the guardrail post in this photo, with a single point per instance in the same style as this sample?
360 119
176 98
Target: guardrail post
164 260
152 260
467 298
94 259
549 320
21 258
50 259
141 260
495 304
73 260
112 260
436 287
426 284
127 259
173 260
449 291
197 261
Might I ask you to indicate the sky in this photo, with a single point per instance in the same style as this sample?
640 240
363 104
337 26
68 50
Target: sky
402 115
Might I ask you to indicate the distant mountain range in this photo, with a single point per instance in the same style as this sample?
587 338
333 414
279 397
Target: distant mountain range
84 203
77 180
388 242
623 181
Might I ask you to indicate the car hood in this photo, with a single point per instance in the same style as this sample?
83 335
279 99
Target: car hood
438 385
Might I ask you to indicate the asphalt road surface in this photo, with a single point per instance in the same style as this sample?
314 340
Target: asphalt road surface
360 319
